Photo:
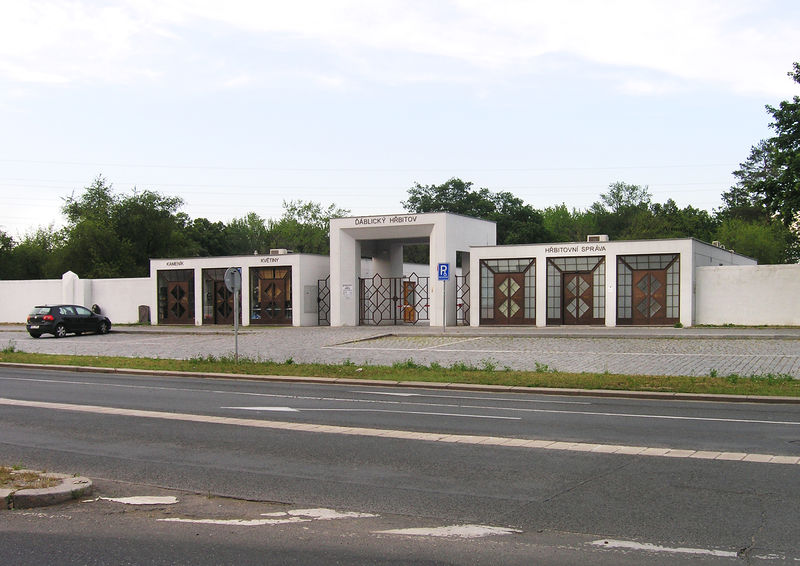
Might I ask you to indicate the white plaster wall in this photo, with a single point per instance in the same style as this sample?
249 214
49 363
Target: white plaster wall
119 299
20 296
707 255
312 268
748 295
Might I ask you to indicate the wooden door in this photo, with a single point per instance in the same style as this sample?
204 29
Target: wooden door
409 301
223 304
650 297
509 298
578 298
274 300
178 308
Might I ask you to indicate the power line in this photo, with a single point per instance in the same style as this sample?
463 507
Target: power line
366 170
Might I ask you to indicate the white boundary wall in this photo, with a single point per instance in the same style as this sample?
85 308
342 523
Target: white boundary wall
749 295
20 296
118 299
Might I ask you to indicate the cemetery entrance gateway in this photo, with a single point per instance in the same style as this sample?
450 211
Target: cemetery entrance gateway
393 300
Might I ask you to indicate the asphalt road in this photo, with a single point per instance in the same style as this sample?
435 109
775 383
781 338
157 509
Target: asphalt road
436 462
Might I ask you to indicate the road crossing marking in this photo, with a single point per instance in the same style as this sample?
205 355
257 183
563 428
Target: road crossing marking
411 435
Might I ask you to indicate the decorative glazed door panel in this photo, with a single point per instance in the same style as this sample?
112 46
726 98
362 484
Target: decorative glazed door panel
178 311
272 295
273 300
649 297
578 300
223 304
509 297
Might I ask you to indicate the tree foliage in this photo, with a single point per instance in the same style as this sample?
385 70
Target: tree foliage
516 221
111 235
771 173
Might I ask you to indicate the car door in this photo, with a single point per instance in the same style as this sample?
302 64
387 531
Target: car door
85 319
69 318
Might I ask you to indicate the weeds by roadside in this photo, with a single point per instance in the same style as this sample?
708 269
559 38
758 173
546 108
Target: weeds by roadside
15 478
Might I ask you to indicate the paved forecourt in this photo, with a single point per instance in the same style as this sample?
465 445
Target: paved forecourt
703 351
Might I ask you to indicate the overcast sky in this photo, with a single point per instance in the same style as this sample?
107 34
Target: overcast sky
238 105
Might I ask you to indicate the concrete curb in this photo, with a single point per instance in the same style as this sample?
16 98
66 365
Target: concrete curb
608 393
70 488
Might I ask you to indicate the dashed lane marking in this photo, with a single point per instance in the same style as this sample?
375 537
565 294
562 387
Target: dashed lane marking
410 435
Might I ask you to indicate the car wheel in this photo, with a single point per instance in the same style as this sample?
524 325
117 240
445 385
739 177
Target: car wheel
35 334
61 331
102 328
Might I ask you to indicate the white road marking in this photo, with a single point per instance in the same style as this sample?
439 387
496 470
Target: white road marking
455 531
279 518
321 514
410 435
236 522
273 409
388 393
520 399
648 547
475 398
460 406
142 500
415 413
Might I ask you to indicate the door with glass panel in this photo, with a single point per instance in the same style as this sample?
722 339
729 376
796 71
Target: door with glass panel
509 297
648 289
649 297
578 298
508 291
271 289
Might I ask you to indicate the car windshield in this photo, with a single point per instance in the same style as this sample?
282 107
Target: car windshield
40 310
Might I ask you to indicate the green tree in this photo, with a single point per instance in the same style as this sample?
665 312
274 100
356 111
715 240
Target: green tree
208 238
305 226
619 210
110 235
517 222
771 174
36 256
563 225
767 242
668 221
249 234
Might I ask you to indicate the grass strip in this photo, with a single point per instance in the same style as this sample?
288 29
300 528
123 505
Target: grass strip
485 374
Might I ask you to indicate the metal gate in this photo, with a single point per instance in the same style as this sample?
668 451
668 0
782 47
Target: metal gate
462 299
324 301
393 300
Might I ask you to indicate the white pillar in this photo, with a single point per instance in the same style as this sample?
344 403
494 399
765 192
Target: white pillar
541 291
345 271
611 290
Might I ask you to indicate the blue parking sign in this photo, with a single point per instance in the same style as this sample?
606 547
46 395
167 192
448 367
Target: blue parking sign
444 272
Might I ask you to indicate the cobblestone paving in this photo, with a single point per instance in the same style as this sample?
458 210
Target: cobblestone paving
656 352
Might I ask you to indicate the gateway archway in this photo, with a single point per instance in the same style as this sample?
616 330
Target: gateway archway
389 296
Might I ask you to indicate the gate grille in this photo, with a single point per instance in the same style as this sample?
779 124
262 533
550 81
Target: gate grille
462 299
324 301
393 300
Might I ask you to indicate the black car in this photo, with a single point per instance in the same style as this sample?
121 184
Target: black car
60 320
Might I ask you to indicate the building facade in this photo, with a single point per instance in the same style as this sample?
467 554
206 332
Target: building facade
365 282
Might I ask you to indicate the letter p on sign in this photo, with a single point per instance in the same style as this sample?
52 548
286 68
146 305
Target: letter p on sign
444 271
